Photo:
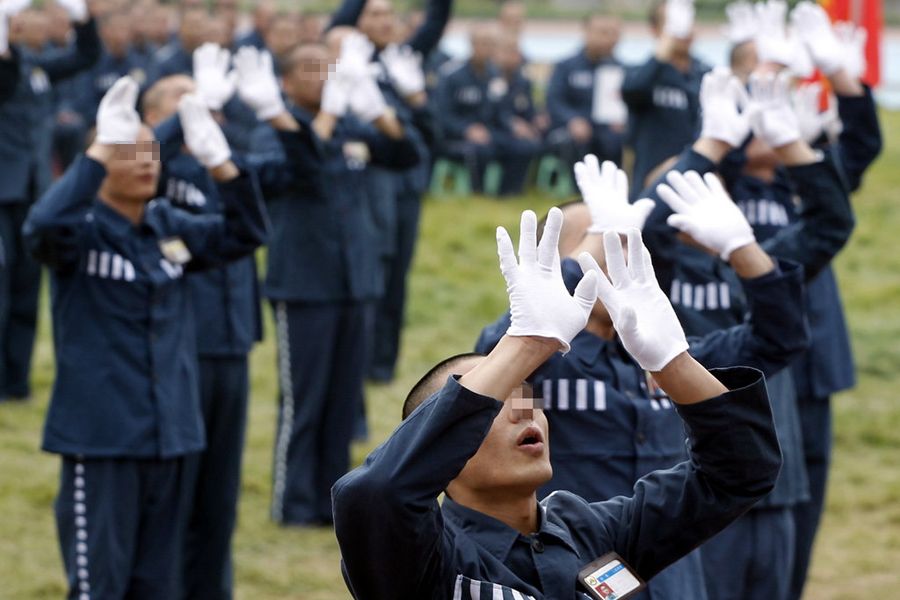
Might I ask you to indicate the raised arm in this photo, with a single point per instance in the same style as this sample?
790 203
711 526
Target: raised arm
388 507
427 37
86 51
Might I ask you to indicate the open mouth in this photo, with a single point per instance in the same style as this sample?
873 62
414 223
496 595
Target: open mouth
531 438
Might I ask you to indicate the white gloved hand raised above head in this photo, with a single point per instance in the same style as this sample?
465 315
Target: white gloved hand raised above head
257 86
539 303
404 67
705 211
640 311
772 116
77 9
4 32
605 191
772 43
118 121
723 103
742 24
355 61
215 84
852 40
805 100
13 7
679 22
813 26
366 100
202 135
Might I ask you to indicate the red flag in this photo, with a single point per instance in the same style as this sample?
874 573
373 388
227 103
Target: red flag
869 15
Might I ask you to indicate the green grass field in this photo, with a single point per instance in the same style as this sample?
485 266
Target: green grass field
455 290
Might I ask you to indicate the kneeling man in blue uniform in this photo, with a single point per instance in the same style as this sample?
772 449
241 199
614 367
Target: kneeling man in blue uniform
124 411
473 433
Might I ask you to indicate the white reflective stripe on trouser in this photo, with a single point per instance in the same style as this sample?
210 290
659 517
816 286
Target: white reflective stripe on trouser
473 589
286 429
79 505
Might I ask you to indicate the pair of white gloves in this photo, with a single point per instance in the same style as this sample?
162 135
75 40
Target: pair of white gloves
540 304
808 41
119 123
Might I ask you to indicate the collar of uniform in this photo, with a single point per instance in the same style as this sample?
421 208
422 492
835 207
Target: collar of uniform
495 536
112 219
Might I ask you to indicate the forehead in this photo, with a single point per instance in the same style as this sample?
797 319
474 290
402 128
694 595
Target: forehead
378 6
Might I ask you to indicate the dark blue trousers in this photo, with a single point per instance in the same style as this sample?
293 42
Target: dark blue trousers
815 420
515 156
321 363
605 143
120 525
752 558
391 307
20 283
215 479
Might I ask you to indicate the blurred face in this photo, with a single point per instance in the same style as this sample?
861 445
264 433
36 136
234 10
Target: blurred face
165 95
377 22
263 14
193 29
508 57
744 60
601 34
59 24
512 16
514 456
116 33
156 25
282 34
310 29
228 11
132 173
30 28
680 46
484 44
219 32
304 81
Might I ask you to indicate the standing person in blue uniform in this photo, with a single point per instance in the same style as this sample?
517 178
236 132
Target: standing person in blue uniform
124 412
228 321
175 57
321 276
264 15
474 127
491 538
662 94
573 103
26 138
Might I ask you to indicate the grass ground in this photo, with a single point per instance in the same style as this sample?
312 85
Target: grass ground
456 289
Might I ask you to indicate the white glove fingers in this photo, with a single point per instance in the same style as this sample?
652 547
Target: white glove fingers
643 208
697 185
621 182
615 259
508 262
683 187
548 248
674 201
123 92
636 255
607 294
718 191
586 291
528 237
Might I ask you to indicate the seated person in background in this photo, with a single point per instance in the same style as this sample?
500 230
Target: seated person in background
518 102
583 100
490 456
475 126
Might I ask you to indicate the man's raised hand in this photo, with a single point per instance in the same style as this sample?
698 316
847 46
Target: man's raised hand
540 304
118 121
605 191
256 83
202 134
640 311
215 84
724 104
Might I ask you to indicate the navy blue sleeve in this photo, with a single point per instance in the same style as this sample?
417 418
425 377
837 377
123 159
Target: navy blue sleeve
860 141
52 231
557 106
775 333
284 160
388 152
825 217
9 75
386 514
452 125
83 55
734 462
214 240
427 37
637 87
170 137
347 14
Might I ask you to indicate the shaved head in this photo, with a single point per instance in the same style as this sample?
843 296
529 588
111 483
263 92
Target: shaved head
434 380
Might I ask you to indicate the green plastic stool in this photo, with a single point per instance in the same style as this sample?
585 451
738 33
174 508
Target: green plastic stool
493 178
449 178
553 177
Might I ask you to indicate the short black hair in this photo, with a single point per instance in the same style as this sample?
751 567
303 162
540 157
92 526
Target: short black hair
434 380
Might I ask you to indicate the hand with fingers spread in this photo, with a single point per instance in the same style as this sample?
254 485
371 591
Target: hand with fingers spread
13 7
366 100
605 191
742 24
118 121
640 311
679 21
256 83
852 41
77 9
202 135
773 119
724 103
772 43
355 60
805 100
813 26
540 304
404 67
215 84
705 211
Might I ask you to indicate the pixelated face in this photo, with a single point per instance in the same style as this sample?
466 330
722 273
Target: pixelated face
377 22
133 171
515 454
601 35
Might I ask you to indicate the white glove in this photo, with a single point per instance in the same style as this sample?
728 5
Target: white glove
335 97
805 100
705 211
812 24
724 103
366 100
801 65
13 7
539 303
852 40
772 43
202 134
605 191
772 117
77 9
355 60
256 83
4 32
679 18
640 311
742 26
214 83
117 120
404 67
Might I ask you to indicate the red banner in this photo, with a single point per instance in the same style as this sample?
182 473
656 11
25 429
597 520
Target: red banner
869 15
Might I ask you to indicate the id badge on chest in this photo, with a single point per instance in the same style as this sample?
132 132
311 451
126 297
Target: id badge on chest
175 250
610 578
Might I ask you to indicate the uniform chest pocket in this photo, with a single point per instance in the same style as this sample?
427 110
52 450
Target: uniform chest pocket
469 96
473 589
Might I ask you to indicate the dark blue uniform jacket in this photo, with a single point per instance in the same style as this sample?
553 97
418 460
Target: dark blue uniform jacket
570 92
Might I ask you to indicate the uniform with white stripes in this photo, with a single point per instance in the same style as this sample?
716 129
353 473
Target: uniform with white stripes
124 410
